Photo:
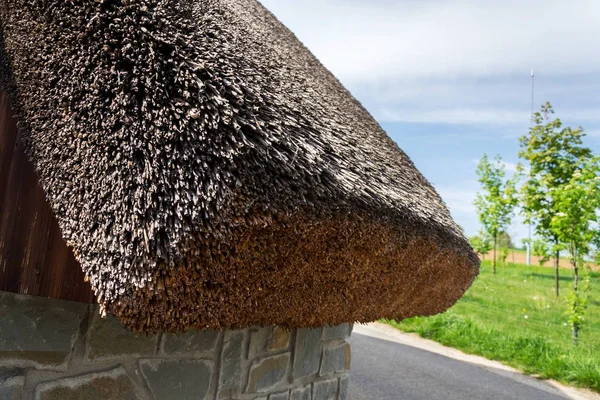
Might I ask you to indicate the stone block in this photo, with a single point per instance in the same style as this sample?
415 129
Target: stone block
302 393
177 379
280 339
268 374
36 331
335 359
231 360
259 339
280 396
336 332
11 384
107 338
230 394
191 342
111 385
344 383
308 352
325 390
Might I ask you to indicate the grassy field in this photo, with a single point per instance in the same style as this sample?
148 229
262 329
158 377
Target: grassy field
515 318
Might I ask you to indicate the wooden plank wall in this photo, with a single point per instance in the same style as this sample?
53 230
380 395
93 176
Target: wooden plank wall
34 258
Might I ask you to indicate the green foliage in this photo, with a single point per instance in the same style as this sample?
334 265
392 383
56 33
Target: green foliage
496 202
542 250
574 224
557 184
514 317
553 154
505 241
574 216
577 302
504 254
560 197
481 243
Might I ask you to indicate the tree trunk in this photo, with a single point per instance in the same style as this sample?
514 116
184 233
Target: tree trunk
556 273
576 277
575 289
494 260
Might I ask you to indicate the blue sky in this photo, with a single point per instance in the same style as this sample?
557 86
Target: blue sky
450 80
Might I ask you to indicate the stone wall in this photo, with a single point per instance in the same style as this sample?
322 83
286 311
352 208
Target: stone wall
57 350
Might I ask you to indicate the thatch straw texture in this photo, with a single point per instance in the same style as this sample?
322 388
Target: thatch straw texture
208 171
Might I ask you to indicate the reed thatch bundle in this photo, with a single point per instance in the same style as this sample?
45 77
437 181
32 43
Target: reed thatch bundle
208 171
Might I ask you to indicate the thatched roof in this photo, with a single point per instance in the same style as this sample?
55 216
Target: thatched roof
208 171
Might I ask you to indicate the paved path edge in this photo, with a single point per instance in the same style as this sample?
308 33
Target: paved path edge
383 331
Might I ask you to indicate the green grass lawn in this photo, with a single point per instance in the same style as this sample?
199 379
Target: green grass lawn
515 318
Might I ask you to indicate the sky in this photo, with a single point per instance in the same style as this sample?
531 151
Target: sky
450 80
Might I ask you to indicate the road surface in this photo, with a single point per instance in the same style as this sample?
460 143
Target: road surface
384 369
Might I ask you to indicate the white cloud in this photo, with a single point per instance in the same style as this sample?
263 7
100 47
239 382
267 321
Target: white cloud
509 167
423 112
462 62
458 200
458 116
374 40
460 203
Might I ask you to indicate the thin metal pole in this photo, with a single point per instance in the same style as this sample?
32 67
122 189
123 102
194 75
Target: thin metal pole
529 244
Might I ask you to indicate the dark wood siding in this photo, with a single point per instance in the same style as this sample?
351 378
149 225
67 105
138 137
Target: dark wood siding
34 258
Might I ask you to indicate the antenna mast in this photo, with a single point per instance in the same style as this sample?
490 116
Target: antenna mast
529 244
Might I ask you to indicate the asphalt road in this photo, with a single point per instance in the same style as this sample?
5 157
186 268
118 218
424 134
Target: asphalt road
386 370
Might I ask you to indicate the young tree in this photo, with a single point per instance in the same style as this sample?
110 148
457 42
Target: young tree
504 254
542 251
506 246
481 244
553 154
575 214
495 204
505 241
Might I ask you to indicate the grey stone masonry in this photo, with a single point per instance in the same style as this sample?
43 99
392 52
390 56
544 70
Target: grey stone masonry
268 373
301 393
335 359
11 384
123 343
325 390
191 342
308 352
280 396
344 383
178 379
231 360
31 335
57 350
336 332
113 384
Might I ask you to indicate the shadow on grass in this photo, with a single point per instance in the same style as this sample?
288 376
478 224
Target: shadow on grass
561 278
